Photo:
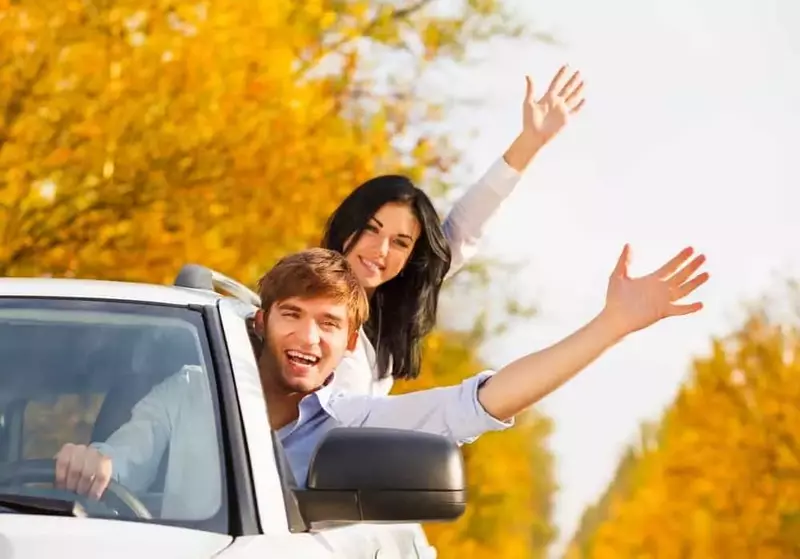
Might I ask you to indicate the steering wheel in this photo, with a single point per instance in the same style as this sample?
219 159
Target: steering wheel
44 471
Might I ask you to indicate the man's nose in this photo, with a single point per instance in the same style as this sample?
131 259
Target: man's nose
309 332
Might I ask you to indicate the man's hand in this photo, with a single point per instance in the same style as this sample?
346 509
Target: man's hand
82 469
631 304
635 303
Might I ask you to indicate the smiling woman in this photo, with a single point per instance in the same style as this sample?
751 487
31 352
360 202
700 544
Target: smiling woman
401 252
384 246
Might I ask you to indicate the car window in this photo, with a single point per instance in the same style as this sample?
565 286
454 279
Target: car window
77 411
134 380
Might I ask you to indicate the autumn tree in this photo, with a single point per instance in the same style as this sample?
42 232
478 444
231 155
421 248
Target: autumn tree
721 475
136 135
510 474
619 487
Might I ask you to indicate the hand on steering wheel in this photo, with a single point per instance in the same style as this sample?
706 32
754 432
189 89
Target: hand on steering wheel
44 471
82 469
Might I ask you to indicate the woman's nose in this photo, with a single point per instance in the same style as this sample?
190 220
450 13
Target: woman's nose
383 247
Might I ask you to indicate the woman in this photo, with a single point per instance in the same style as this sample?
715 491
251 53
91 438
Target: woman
392 237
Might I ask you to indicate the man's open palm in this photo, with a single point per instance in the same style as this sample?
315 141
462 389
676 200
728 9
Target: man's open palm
636 303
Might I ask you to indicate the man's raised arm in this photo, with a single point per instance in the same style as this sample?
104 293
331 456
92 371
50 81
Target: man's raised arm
488 401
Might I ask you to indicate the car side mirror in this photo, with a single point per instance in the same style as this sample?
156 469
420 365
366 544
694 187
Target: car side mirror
365 474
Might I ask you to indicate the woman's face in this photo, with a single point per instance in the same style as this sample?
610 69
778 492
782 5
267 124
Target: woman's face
385 245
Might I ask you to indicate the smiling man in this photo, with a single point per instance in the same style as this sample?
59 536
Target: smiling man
312 307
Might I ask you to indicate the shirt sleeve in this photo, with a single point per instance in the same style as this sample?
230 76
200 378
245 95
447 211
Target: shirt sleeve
452 411
464 225
137 447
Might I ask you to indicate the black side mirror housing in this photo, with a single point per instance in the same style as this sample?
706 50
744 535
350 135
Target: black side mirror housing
363 474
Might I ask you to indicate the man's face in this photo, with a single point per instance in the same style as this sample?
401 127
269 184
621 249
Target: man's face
306 340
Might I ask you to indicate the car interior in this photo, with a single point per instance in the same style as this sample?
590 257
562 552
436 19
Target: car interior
77 381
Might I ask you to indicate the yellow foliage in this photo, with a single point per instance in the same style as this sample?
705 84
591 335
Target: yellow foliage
509 473
201 125
722 478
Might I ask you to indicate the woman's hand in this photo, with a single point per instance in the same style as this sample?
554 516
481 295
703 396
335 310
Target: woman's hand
543 119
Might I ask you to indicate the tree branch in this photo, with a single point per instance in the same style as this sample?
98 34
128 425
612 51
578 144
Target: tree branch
398 14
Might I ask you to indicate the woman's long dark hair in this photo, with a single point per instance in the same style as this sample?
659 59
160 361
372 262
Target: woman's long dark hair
402 310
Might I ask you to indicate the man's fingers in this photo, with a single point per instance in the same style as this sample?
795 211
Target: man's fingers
74 470
687 271
674 263
685 289
101 480
578 107
88 473
621 269
62 465
82 469
678 310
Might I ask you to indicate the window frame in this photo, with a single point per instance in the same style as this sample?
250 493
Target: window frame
225 520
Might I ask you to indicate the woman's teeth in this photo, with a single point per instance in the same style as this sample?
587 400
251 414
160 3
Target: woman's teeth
372 266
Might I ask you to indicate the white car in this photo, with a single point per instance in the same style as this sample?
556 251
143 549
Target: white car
77 355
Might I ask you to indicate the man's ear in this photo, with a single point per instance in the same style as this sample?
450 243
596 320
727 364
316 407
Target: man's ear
351 342
259 322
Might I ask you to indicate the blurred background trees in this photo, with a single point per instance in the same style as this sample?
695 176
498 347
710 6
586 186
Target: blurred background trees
719 475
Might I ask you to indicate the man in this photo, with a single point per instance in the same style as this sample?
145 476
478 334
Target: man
312 307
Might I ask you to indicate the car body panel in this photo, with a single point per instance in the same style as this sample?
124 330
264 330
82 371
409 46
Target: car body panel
34 536
252 406
105 290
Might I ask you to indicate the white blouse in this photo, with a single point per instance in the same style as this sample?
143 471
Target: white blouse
463 228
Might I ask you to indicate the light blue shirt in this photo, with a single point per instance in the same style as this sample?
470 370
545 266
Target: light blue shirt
176 421
452 411
179 411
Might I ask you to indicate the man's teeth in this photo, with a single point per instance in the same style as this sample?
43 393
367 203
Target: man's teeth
305 358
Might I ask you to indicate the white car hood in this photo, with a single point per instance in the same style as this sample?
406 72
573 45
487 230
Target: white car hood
34 537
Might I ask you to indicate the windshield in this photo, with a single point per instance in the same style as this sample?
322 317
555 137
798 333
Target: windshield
134 382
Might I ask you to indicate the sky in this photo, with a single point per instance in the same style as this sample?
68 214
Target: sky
689 136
